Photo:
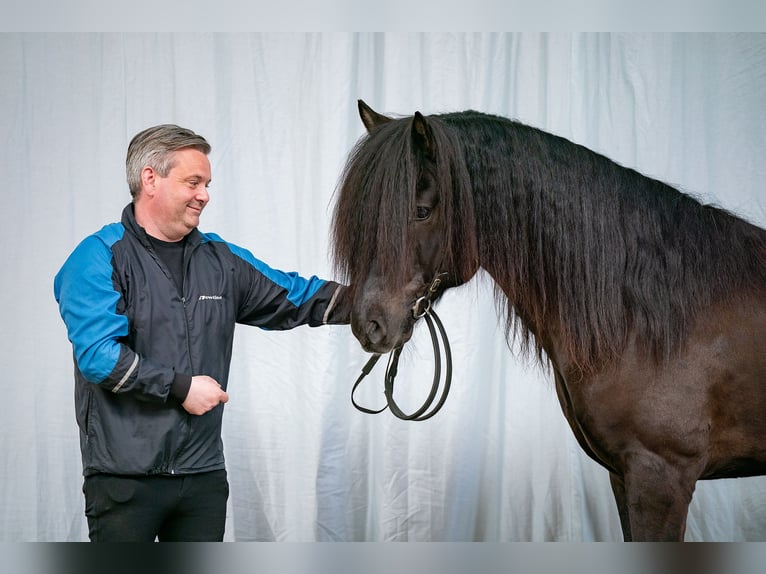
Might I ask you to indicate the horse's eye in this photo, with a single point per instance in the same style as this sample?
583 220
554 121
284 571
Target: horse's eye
422 213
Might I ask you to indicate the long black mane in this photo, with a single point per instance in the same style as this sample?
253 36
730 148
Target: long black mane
580 247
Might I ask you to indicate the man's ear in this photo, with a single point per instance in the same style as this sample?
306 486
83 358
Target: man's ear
148 180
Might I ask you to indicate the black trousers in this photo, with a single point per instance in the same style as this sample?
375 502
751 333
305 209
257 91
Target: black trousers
186 508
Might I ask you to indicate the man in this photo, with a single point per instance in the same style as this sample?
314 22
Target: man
150 305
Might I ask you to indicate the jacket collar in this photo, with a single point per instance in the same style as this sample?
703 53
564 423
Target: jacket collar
129 221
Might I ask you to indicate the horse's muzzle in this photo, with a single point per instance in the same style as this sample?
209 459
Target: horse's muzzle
380 333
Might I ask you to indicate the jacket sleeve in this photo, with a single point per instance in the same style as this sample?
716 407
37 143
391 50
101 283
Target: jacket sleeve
89 304
280 300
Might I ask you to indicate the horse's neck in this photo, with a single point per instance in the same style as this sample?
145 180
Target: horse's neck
512 249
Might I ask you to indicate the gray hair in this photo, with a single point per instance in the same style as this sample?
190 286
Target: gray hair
154 147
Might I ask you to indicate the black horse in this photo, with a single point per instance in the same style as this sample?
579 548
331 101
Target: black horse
649 306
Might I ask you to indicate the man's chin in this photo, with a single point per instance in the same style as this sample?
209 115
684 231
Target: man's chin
191 222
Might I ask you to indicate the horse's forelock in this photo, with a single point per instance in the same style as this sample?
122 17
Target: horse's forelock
376 202
377 190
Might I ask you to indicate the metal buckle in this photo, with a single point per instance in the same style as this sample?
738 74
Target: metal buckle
423 304
417 312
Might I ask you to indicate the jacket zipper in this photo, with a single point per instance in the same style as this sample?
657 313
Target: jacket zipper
188 344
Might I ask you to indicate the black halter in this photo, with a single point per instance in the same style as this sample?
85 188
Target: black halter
421 308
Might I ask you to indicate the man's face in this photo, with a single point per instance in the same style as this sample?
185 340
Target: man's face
179 198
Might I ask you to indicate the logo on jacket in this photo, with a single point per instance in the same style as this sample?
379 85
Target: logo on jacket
210 298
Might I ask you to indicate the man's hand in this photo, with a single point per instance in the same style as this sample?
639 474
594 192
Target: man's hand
204 394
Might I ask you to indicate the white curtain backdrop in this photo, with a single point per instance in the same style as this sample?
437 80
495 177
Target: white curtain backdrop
499 462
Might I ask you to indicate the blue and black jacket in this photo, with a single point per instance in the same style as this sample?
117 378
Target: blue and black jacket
135 336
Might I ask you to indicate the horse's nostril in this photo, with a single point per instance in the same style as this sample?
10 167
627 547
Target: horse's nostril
375 332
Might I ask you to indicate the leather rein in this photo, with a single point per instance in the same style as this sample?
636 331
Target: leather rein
421 308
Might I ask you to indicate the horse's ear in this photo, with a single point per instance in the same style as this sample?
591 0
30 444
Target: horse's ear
370 118
422 135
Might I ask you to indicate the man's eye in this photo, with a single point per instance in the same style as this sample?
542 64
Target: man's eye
422 213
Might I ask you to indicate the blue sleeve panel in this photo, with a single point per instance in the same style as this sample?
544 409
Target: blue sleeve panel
299 290
88 304
285 299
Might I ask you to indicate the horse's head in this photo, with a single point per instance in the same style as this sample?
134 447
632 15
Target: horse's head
395 226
